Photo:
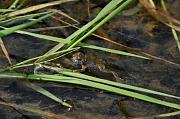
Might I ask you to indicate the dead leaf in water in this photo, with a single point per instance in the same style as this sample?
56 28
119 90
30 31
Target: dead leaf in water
5 51
158 14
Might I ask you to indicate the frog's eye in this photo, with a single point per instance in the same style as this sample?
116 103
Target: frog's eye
37 68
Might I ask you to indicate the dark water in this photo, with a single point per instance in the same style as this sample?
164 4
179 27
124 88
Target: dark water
138 31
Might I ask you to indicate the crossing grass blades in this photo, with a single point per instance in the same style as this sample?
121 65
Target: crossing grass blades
68 45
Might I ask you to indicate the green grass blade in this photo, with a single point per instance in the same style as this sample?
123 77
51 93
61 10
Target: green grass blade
102 22
61 42
64 41
46 37
5 10
14 5
47 94
108 8
108 82
176 38
77 81
43 56
34 8
105 87
24 17
112 51
8 31
102 14
174 33
27 64
167 115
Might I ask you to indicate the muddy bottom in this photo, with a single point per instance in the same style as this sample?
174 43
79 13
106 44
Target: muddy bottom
138 30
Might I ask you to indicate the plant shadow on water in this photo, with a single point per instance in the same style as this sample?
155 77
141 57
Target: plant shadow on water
138 31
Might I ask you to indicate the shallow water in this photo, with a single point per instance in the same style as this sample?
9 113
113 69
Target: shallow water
138 31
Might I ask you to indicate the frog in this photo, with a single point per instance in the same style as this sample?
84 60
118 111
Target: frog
90 64
80 62
87 62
